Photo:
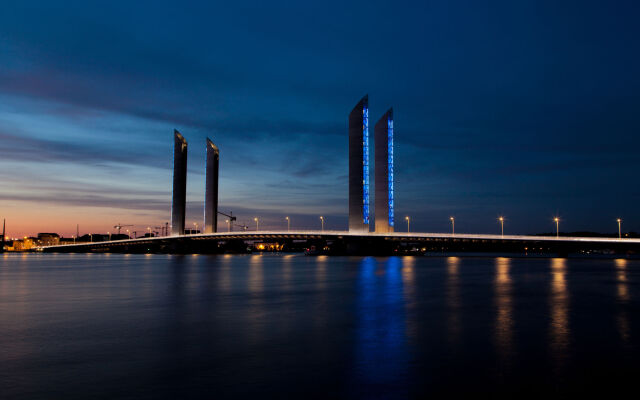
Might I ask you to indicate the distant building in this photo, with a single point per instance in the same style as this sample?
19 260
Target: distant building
8 245
359 167
383 135
211 188
179 200
64 240
48 239
27 243
84 238
93 237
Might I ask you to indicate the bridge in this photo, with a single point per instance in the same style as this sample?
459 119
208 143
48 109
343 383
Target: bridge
349 243
359 239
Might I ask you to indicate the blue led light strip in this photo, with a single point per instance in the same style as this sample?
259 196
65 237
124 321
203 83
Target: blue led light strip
365 164
390 163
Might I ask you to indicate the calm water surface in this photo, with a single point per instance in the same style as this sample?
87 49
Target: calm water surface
158 326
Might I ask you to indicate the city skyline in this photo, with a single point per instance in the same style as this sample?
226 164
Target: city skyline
524 126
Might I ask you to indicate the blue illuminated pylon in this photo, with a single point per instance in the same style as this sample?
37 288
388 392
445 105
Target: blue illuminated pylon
384 193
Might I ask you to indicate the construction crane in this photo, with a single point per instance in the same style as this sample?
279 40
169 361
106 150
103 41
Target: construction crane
231 219
120 226
230 215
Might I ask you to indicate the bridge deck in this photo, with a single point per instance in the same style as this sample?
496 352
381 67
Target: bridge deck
328 235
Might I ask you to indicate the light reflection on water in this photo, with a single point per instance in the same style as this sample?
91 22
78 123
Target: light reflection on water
256 275
381 352
504 308
408 278
559 303
273 326
408 273
454 301
624 297
321 271
256 317
224 276
623 286
287 262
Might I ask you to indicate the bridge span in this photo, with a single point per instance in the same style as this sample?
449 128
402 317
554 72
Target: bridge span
343 242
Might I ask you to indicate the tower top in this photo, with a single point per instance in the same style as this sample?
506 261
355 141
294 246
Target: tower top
212 146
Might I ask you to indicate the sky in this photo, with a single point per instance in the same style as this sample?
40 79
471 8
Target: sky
525 109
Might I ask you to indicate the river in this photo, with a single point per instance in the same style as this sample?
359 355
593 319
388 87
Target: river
80 326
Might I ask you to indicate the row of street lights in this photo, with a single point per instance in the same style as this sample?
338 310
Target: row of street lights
453 224
501 220
257 220
452 219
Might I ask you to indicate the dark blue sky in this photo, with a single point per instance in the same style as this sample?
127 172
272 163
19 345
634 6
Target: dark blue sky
526 109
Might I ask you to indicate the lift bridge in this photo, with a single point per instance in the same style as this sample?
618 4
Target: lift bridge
358 239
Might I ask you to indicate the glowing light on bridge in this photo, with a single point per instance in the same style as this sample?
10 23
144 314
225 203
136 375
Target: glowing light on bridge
390 166
365 164
619 228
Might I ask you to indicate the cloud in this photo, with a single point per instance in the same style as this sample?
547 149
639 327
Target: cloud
30 149
90 200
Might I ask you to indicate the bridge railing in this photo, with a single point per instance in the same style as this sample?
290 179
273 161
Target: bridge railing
335 233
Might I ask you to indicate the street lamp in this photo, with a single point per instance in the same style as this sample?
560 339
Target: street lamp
109 233
501 219
322 221
453 226
74 239
408 222
288 224
257 223
196 225
557 221
149 229
619 228
228 225
128 234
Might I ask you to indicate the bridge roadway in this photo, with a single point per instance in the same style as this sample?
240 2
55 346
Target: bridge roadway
343 242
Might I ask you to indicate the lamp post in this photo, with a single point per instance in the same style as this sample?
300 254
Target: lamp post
91 237
257 223
408 222
501 219
128 234
288 224
149 229
557 221
619 228
228 225
74 239
196 230
322 222
453 226
109 233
